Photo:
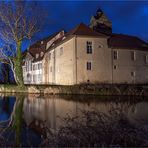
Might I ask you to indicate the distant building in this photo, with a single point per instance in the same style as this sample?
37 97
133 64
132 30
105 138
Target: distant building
87 55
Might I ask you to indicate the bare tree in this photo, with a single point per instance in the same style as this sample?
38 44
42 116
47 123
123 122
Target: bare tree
19 21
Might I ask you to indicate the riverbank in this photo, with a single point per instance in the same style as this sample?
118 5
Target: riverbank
101 89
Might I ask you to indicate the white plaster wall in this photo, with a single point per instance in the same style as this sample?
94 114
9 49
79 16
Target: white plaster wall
70 67
125 65
65 63
62 64
100 58
51 68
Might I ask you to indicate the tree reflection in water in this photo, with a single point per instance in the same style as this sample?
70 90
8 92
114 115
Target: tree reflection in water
11 128
18 118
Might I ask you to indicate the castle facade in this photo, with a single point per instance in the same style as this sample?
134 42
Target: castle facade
87 54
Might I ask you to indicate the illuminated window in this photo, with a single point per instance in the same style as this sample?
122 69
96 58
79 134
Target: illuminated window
89 47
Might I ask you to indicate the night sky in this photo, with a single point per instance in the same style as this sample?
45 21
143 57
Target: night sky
128 17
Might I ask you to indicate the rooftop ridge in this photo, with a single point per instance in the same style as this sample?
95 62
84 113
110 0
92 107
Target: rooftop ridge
83 29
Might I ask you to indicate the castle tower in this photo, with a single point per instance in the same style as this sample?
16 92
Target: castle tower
100 23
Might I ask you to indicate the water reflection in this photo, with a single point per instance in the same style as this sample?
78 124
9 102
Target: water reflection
32 114
50 110
6 107
17 118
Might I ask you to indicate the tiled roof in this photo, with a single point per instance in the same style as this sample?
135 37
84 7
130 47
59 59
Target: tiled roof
40 46
114 41
126 42
82 29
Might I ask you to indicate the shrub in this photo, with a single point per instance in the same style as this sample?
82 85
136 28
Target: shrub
96 129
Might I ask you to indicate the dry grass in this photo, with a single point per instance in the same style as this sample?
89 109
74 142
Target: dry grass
96 129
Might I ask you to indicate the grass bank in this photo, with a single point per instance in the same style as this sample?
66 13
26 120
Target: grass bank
100 89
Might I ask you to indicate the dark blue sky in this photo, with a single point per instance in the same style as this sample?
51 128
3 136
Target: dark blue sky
128 17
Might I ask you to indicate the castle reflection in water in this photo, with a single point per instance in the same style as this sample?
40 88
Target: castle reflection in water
50 110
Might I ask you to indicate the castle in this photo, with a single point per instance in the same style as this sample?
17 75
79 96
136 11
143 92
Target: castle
87 54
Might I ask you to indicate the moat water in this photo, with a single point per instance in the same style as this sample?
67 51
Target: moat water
38 112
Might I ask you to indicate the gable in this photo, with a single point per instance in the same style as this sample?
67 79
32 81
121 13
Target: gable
28 57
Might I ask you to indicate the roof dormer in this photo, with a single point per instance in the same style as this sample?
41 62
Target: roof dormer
37 55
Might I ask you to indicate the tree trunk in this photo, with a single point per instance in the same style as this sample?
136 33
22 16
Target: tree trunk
18 65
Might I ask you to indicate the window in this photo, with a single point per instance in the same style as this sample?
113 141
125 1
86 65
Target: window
29 65
49 56
115 55
146 59
33 67
36 66
53 54
58 69
26 66
88 65
61 50
40 66
39 77
133 55
34 78
41 54
23 70
51 69
63 38
133 74
115 67
37 55
89 47
100 46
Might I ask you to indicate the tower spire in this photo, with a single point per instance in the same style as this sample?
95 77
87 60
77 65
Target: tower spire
100 22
